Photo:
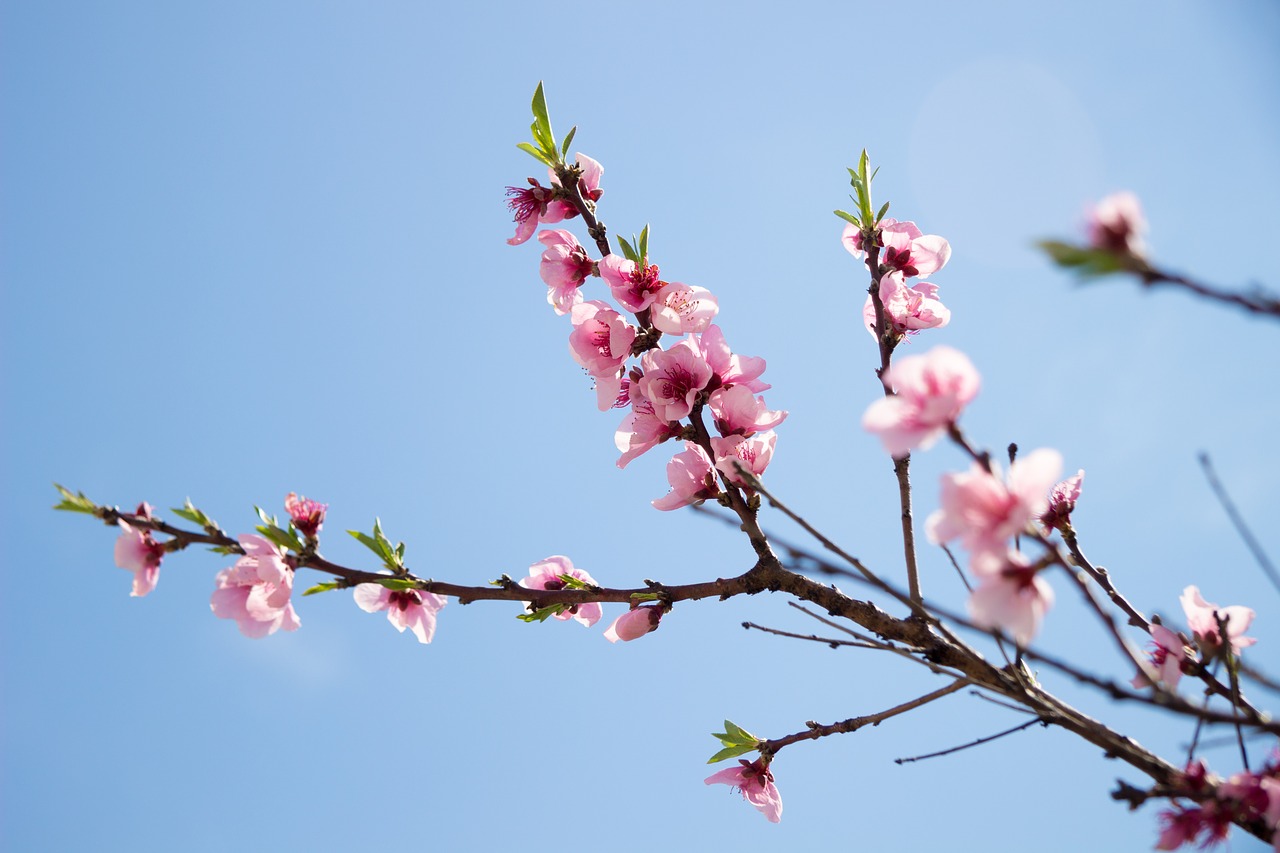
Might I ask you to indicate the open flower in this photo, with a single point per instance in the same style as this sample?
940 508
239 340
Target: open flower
1202 620
680 308
984 511
692 479
1011 595
931 390
565 266
137 552
406 608
755 782
1167 654
547 575
255 591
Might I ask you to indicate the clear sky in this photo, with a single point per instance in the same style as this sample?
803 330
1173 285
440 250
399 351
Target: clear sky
249 248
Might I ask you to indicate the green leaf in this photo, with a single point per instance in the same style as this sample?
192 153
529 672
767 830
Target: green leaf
399 584
269 520
739 734
1084 260
848 217
391 556
536 154
283 538
224 549
542 614
190 513
570 582
541 122
564 146
323 587
644 596
883 210
367 541
627 252
74 503
644 245
730 752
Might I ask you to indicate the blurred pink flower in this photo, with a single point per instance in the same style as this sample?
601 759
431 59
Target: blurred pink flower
1116 223
635 623
931 390
755 782
136 551
255 591
407 608
1167 654
1203 624
985 511
1062 501
546 575
1011 595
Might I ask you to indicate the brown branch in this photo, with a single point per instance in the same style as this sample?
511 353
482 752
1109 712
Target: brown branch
979 742
1238 520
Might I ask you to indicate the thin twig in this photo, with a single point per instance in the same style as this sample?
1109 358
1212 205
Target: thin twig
979 742
827 641
1243 529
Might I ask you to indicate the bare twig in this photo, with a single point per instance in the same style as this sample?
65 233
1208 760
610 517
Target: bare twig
979 742
1238 520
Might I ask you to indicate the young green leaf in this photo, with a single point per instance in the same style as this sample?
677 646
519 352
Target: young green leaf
627 251
730 752
284 538
74 503
1086 261
883 210
536 154
542 614
542 123
398 584
848 217
568 140
323 587
644 245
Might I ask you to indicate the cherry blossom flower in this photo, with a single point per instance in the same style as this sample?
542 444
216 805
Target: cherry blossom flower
931 390
547 575
601 338
307 515
679 309
536 203
1203 623
907 309
136 551
255 591
1116 223
1167 654
642 429
754 454
906 248
739 412
531 205
672 379
985 511
755 782
565 266
728 368
414 609
635 623
692 479
634 287
1011 595
1062 500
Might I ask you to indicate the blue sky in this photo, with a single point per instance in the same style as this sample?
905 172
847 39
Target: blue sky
253 248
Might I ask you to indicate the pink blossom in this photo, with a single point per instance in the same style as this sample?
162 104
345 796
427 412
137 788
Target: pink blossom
739 412
588 181
1062 501
613 391
906 249
1202 621
728 368
641 430
754 454
910 252
931 390
1116 224
547 575
414 609
136 551
691 477
985 511
907 309
679 309
1167 654
633 286
672 379
635 623
565 266
531 205
755 782
601 338
1011 595
307 515
255 591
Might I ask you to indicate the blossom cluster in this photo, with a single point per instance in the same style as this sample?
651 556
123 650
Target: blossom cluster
621 350
1244 798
